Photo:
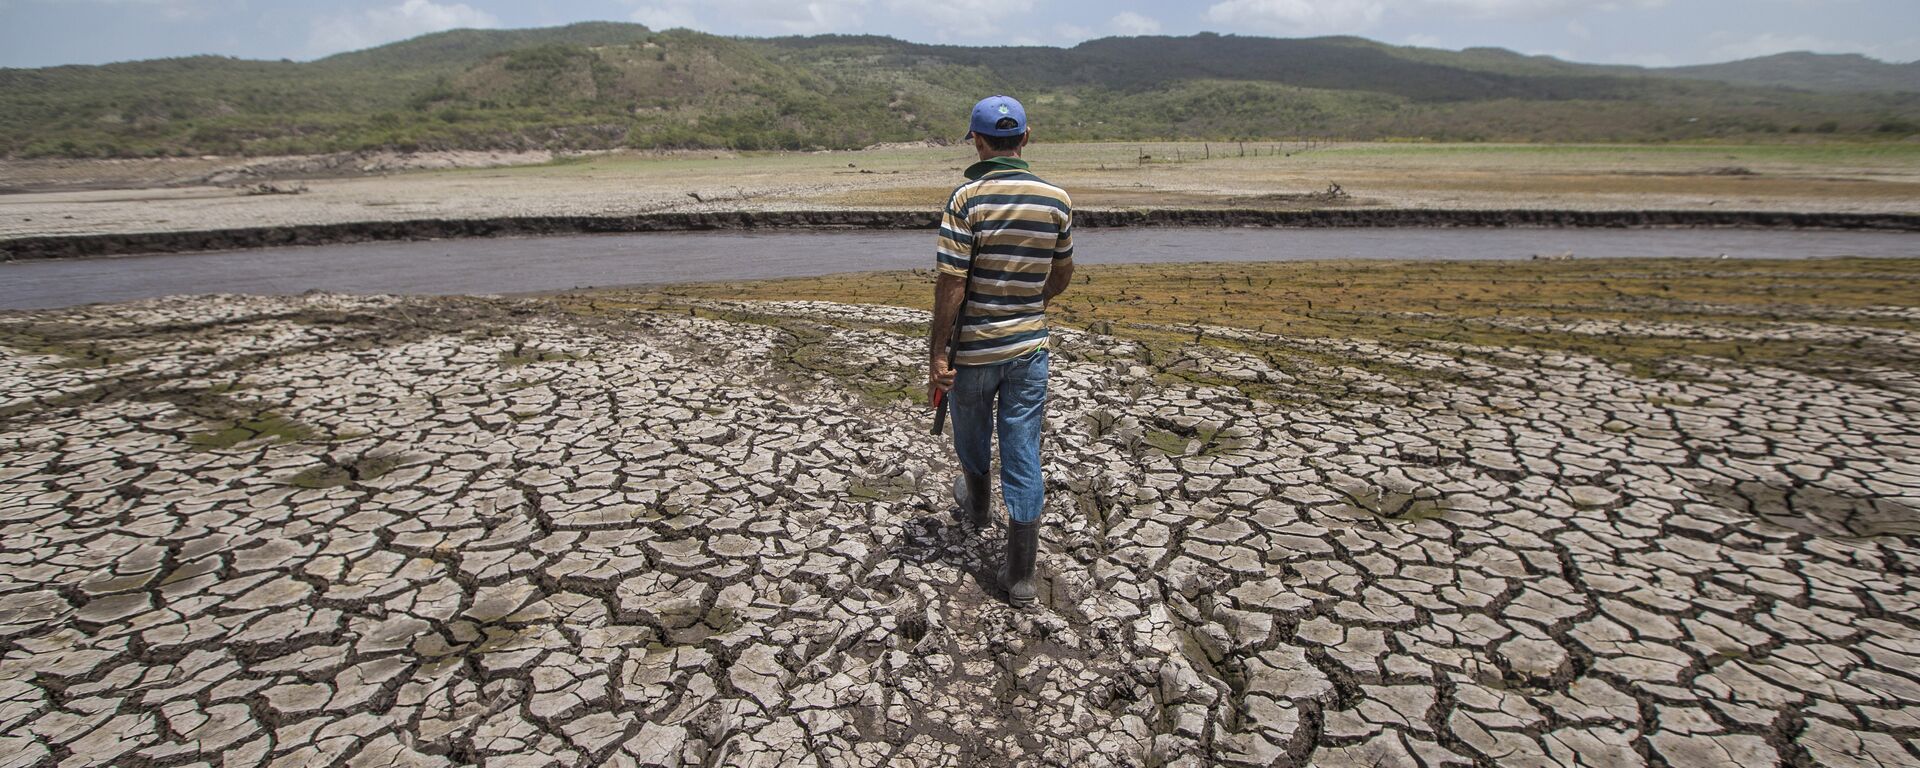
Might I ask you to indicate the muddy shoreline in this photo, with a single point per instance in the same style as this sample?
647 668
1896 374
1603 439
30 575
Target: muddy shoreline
81 246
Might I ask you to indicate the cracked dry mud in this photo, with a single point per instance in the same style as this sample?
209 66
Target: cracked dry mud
376 531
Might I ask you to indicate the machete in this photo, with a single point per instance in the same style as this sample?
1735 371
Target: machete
953 339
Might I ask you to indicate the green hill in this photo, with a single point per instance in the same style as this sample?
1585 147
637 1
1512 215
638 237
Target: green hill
604 85
459 48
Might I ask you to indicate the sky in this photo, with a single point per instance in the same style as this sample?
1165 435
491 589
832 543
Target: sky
35 33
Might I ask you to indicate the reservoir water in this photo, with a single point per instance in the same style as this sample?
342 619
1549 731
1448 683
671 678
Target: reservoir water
531 265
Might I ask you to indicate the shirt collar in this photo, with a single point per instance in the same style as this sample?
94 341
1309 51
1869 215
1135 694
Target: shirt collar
995 165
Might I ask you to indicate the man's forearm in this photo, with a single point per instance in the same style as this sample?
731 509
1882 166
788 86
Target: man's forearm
949 292
1058 280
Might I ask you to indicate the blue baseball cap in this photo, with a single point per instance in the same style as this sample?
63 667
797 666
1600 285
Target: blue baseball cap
991 110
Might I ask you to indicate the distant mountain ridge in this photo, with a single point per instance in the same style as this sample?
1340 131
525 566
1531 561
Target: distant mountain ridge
607 84
1811 71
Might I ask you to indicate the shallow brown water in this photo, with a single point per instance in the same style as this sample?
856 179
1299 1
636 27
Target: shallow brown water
528 265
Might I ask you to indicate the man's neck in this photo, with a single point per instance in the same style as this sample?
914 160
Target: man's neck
994 163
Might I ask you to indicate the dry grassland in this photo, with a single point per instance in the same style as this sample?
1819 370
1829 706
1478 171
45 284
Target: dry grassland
1291 176
1638 312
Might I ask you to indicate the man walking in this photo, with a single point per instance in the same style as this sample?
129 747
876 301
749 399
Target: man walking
1005 250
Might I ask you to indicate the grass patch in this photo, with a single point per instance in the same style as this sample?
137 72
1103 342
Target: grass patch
267 425
1166 442
1420 303
805 347
1421 509
322 477
723 619
526 384
891 488
364 469
61 342
1176 441
528 356
1392 507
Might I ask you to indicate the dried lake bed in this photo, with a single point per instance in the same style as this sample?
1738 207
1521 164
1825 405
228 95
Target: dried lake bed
1618 513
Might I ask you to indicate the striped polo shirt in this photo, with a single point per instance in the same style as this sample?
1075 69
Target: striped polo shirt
1013 228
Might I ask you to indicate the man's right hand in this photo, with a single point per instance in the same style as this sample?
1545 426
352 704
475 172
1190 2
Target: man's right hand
939 377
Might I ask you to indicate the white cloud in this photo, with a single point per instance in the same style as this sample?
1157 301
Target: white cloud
1579 30
950 19
1130 23
350 32
1535 8
782 17
812 17
173 10
1654 60
1297 16
1422 40
664 16
1355 16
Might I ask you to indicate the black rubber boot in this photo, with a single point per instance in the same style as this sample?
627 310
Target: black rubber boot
974 494
1023 542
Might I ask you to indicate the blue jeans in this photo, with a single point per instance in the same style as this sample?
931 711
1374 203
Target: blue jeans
1020 385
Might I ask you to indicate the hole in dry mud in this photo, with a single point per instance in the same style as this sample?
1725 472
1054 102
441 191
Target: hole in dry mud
912 628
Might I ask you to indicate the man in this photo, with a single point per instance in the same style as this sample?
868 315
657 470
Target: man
1005 250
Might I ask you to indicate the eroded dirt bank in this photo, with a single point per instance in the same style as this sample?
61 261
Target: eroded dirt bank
74 246
375 530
